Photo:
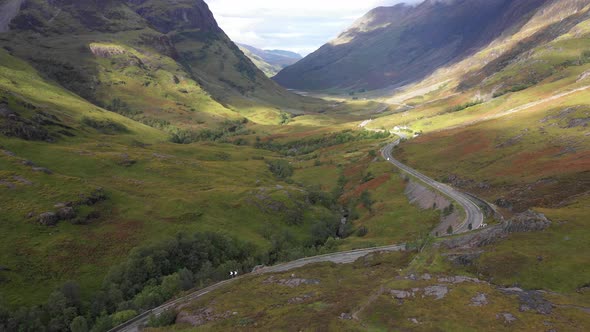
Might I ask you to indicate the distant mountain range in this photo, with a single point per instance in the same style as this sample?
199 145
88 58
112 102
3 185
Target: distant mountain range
270 61
393 46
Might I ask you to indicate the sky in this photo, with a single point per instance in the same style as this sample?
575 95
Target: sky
300 26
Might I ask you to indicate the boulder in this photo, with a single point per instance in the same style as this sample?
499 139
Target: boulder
507 317
66 213
48 219
479 300
437 291
400 294
529 221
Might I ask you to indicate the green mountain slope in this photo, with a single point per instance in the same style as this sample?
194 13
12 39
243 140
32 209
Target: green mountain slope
123 51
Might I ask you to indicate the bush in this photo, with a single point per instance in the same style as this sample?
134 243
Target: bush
449 210
366 200
362 231
104 126
324 229
164 319
280 168
464 106
123 316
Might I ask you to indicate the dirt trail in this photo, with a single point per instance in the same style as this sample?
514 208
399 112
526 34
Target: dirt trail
8 11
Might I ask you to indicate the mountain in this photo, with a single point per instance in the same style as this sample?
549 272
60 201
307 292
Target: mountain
116 52
270 61
393 46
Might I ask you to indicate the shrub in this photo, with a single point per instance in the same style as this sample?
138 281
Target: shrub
164 319
362 231
464 106
366 200
104 126
280 168
123 316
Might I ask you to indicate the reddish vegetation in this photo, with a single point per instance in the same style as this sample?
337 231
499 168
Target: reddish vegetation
471 142
548 162
372 185
358 168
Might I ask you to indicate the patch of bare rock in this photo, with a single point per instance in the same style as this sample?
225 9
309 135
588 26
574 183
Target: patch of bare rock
506 317
291 282
200 317
529 221
479 300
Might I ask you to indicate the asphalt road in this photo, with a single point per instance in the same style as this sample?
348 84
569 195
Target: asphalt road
474 215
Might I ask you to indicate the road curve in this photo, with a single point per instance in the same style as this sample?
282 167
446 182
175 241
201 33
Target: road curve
474 215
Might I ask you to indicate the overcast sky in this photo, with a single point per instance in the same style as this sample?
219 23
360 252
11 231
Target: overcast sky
301 26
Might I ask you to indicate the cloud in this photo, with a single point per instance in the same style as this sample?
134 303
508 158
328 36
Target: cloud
301 26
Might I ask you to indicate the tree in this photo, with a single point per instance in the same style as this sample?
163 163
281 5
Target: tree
103 324
187 280
166 318
450 230
71 291
281 168
79 324
362 231
367 201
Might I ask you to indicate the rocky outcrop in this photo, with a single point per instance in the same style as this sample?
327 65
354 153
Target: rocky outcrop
506 317
531 300
183 14
291 282
479 300
48 219
8 10
438 291
200 317
529 221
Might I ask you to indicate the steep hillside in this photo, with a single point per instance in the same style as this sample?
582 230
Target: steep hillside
157 62
393 46
270 61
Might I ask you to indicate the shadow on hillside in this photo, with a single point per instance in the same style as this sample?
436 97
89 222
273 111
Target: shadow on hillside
431 39
541 37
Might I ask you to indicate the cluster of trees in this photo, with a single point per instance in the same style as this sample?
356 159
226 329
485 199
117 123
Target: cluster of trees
514 88
306 146
280 168
149 277
221 134
467 105
105 126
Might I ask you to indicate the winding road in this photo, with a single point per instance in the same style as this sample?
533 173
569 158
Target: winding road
473 214
474 217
